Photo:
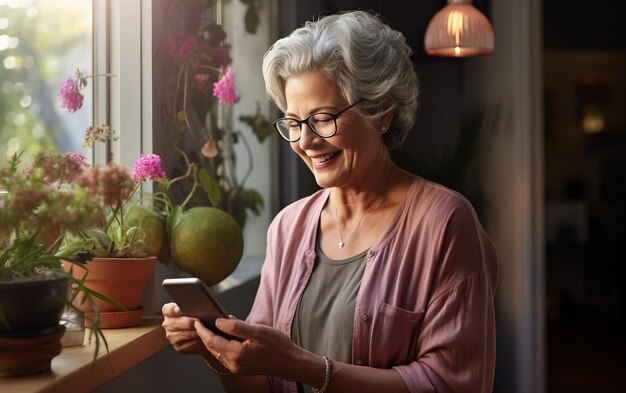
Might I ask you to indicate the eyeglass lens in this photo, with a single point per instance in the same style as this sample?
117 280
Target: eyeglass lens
323 124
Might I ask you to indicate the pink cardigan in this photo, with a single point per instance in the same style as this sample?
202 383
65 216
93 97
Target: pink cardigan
425 306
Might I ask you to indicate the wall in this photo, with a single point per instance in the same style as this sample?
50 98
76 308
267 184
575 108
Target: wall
247 53
509 82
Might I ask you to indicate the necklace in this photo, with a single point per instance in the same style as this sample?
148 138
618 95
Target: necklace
342 242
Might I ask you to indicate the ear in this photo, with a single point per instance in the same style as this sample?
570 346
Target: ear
385 120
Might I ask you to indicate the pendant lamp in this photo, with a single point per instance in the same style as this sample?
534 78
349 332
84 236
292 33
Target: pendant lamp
459 30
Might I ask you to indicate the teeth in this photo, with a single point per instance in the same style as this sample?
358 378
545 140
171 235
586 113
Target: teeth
327 157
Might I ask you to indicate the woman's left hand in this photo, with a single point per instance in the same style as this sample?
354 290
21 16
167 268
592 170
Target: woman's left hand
263 350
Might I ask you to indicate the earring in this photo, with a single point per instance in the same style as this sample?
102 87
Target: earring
382 128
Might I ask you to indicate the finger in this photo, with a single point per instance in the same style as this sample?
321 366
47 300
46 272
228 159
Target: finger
171 310
178 323
212 341
239 328
184 344
180 339
205 333
175 321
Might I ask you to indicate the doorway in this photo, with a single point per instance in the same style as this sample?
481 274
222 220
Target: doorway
585 196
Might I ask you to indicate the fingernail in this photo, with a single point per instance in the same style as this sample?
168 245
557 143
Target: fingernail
218 322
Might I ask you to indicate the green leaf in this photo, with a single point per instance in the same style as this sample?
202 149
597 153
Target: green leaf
210 186
134 233
69 249
252 19
260 126
91 293
99 238
254 201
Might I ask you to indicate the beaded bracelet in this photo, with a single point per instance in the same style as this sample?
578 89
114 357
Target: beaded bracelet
216 371
329 369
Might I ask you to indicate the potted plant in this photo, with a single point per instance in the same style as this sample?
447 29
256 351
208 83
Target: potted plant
37 203
125 242
128 236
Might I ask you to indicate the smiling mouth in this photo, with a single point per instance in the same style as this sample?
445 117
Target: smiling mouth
324 158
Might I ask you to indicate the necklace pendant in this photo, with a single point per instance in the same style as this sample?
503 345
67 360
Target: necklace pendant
340 244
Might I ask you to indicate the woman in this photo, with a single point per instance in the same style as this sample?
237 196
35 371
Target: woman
380 282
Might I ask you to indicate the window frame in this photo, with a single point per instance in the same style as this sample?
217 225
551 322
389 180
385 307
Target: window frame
122 46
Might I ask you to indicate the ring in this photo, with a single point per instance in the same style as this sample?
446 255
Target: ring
218 356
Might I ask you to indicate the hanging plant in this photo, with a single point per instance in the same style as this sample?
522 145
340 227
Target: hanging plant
199 75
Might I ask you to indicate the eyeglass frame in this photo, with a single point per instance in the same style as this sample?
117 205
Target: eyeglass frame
334 116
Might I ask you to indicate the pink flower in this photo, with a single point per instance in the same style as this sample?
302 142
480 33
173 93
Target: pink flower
115 185
77 158
148 167
89 180
112 183
71 166
101 133
224 89
70 96
53 167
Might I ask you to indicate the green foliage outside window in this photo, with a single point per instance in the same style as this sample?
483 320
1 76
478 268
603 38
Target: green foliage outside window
41 42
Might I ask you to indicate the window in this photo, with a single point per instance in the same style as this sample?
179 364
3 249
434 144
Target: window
41 44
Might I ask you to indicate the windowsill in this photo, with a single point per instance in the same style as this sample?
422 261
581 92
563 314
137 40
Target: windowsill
74 366
127 347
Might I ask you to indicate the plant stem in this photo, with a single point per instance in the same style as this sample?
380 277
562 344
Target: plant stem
250 159
193 188
187 173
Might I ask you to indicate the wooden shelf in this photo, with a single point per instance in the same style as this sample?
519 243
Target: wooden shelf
74 371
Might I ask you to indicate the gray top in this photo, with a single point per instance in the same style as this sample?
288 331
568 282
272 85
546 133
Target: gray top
324 318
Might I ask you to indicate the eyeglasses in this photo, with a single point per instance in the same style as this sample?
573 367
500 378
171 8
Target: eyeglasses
323 124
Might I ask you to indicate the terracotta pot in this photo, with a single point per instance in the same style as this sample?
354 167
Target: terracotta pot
120 279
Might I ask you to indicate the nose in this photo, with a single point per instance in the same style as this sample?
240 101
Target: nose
307 137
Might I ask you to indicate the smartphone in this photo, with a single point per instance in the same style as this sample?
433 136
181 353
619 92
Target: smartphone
196 300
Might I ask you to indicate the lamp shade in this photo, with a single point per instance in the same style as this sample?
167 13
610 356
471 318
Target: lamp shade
459 30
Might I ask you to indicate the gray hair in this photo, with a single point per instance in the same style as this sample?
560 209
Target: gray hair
363 56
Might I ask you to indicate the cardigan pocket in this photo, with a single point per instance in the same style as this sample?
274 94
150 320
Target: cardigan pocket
394 336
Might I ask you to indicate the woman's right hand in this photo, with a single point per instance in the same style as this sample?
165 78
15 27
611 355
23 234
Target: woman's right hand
180 331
